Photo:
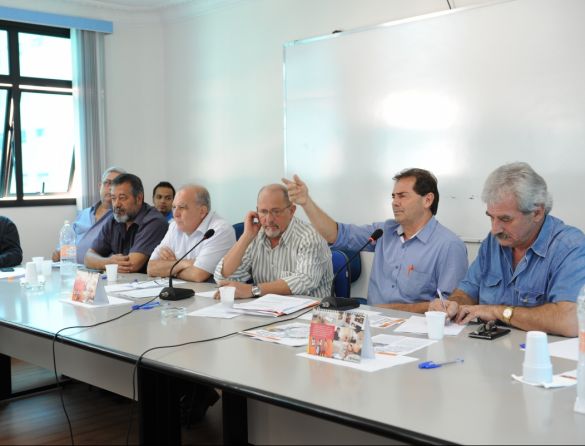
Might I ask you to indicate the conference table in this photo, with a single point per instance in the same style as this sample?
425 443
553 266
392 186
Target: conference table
269 393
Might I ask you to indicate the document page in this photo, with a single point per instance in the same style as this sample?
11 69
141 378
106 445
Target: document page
418 325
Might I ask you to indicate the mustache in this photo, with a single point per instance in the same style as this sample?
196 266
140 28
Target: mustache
502 236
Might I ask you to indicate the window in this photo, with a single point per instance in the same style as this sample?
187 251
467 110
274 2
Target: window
37 125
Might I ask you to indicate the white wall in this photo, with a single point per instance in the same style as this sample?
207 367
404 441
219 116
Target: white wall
197 96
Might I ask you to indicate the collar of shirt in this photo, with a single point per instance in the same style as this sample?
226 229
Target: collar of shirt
543 241
139 217
423 234
204 225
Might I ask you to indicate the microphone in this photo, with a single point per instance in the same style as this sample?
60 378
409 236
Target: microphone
347 303
170 293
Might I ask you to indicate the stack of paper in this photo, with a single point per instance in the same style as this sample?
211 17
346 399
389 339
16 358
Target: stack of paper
275 305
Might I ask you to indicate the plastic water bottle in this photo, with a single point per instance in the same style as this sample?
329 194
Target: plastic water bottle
68 250
580 402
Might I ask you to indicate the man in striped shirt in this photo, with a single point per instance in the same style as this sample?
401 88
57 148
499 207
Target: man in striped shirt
280 253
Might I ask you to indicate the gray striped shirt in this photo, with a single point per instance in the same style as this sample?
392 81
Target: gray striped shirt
302 259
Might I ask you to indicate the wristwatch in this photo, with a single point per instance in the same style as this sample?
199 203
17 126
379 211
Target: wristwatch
256 292
507 314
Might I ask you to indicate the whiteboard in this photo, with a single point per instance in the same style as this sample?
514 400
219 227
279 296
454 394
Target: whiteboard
458 93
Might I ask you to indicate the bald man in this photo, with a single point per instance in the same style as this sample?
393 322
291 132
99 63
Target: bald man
279 252
192 218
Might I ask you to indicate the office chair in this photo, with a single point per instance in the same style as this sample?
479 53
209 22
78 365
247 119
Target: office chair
239 228
342 286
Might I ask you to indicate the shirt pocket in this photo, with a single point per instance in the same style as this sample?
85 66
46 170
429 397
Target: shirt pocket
529 297
417 285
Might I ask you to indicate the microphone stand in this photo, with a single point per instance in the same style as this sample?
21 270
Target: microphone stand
170 293
346 303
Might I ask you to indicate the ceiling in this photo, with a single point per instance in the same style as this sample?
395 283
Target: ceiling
137 5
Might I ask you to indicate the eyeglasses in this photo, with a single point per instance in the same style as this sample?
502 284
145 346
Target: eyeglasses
275 212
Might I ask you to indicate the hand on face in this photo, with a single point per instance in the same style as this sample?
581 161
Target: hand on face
251 224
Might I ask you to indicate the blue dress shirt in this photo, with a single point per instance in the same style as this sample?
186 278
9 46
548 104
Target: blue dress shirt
409 271
552 270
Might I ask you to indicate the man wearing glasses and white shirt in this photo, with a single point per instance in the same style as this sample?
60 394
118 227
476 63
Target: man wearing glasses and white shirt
280 253
192 218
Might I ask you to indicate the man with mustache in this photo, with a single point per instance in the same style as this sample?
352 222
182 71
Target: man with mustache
416 254
130 236
89 222
530 268
280 253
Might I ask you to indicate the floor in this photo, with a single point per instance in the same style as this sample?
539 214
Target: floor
97 416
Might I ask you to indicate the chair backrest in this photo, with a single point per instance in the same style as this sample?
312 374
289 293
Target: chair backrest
239 228
342 285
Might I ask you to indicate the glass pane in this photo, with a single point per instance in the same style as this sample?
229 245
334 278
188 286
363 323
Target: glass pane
3 52
47 142
45 56
3 111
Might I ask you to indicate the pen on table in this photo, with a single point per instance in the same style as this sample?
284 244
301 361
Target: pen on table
145 306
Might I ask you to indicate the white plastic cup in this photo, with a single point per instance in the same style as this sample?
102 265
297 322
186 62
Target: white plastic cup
30 273
47 268
435 324
39 263
537 367
227 295
112 272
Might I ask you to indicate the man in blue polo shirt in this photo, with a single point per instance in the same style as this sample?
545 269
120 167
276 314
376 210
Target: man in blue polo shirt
530 268
416 254
131 234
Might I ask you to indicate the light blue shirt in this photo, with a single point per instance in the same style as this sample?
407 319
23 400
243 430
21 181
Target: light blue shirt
552 270
86 229
409 271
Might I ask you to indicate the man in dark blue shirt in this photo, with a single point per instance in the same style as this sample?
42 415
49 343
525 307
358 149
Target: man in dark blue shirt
131 234
10 251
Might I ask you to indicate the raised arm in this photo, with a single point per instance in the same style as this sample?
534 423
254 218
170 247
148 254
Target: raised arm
298 193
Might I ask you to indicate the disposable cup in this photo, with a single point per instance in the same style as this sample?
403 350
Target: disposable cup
30 273
435 324
47 268
112 272
537 367
227 294
39 264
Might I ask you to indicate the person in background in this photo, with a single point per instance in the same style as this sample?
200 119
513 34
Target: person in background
279 252
163 195
90 220
193 217
415 256
130 235
531 266
10 250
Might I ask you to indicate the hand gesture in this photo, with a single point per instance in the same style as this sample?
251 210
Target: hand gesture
298 192
251 224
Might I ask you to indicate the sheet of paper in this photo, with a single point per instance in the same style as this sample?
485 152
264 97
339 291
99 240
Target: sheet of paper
293 335
8 274
217 311
141 292
384 321
565 379
418 325
206 293
366 365
113 301
128 286
274 305
398 345
568 349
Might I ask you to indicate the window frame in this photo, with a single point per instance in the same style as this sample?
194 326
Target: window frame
12 157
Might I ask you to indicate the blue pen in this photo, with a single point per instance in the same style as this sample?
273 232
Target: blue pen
434 365
146 306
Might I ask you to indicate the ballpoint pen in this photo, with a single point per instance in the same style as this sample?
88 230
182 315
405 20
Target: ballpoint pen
145 306
447 320
434 365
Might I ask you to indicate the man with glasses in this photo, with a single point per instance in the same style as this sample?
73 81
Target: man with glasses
414 258
280 253
89 222
193 217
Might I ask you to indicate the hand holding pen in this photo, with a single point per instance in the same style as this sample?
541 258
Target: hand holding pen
441 304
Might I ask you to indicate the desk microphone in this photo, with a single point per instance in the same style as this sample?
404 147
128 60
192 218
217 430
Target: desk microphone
170 293
347 303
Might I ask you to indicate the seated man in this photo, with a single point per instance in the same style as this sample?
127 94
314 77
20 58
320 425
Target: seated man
163 195
531 266
415 256
192 218
10 251
131 234
282 254
89 221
